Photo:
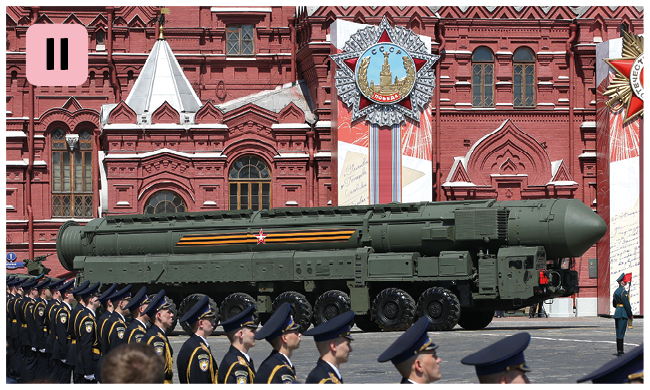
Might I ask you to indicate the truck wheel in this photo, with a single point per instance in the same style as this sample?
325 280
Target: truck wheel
366 324
168 332
300 308
186 304
473 319
393 309
441 306
235 303
329 305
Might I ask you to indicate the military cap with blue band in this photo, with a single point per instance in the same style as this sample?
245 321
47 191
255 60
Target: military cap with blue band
621 277
30 285
157 304
504 355
409 344
200 310
124 293
90 291
280 322
620 370
66 287
242 319
138 300
338 326
55 284
43 284
80 287
109 291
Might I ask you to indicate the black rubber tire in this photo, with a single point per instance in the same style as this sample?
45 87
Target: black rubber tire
235 303
330 304
366 323
186 304
393 309
474 319
169 331
301 309
441 306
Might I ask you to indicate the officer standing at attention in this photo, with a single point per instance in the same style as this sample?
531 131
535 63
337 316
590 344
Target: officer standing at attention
195 362
621 301
108 312
627 368
414 355
138 327
333 343
71 358
502 362
88 352
284 336
27 329
50 311
237 366
62 330
115 326
162 318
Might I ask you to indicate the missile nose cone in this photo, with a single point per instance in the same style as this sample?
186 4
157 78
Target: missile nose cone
583 228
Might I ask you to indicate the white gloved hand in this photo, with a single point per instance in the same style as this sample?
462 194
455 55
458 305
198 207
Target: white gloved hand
41 350
63 360
90 377
33 349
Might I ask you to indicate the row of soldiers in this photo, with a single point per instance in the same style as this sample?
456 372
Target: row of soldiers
48 339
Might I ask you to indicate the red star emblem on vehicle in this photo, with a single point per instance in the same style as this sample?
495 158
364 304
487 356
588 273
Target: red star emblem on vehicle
626 90
261 238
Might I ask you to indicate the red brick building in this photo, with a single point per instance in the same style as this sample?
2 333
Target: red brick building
233 109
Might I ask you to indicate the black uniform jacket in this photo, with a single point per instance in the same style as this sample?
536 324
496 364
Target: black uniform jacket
135 332
88 353
275 369
235 368
323 373
62 331
157 338
50 312
74 318
39 335
195 362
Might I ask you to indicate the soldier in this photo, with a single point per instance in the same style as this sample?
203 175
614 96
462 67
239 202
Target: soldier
50 310
502 362
62 333
195 362
621 301
414 354
284 336
333 343
162 318
26 308
237 366
88 352
138 327
14 328
115 326
39 335
623 369
71 359
107 305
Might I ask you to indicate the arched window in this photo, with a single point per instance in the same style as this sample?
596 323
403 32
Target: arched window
164 202
250 184
524 77
482 78
72 174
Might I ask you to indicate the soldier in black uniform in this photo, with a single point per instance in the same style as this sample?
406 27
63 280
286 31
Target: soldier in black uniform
26 308
62 333
50 311
114 327
138 327
195 362
108 312
14 328
333 343
88 352
237 366
39 335
161 318
627 368
284 336
502 362
71 358
414 355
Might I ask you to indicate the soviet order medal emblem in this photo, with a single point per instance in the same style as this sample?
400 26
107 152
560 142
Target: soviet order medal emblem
385 74
626 89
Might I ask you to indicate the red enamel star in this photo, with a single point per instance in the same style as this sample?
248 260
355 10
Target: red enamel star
627 86
261 238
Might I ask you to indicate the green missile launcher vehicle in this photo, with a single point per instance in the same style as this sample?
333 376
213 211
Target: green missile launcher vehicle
455 262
